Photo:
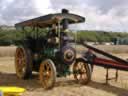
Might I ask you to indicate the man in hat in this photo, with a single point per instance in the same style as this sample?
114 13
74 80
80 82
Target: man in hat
53 36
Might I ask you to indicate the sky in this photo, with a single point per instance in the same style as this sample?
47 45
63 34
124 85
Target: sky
107 15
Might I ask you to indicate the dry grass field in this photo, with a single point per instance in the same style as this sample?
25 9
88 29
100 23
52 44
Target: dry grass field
66 86
7 51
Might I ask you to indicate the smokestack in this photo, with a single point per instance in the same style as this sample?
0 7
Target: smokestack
65 22
65 11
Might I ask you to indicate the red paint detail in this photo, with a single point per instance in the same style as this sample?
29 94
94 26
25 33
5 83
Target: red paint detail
103 61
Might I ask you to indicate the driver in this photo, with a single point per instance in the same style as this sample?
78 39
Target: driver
53 36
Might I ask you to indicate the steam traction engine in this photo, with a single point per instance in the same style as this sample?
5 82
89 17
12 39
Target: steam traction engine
51 54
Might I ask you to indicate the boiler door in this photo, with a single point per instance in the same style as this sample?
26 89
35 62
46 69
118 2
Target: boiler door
68 54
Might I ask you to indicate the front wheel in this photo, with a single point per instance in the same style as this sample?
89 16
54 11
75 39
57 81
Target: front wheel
81 71
47 74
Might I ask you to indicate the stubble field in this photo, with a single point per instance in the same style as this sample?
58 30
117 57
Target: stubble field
66 86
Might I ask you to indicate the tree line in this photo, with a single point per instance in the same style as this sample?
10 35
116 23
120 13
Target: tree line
11 37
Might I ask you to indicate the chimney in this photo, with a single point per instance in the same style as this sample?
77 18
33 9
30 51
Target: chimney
65 11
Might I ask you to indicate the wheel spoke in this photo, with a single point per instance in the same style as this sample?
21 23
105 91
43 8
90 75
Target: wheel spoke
80 71
20 62
23 57
47 74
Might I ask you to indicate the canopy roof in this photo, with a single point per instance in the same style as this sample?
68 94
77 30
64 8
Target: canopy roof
47 20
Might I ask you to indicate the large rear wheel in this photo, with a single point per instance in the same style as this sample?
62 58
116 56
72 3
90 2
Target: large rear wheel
47 74
81 71
23 63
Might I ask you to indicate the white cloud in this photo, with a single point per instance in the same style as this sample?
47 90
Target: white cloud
100 14
43 6
110 15
13 11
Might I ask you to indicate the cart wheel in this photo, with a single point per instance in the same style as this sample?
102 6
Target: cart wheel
23 63
47 74
81 71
